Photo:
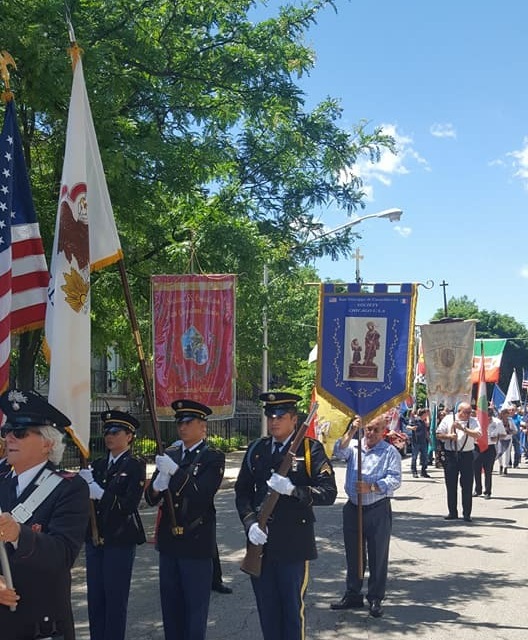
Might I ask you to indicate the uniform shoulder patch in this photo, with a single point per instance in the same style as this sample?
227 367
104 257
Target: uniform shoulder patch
326 469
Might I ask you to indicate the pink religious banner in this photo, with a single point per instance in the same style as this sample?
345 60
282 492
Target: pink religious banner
194 341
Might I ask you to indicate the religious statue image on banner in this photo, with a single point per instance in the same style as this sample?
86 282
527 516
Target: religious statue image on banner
365 341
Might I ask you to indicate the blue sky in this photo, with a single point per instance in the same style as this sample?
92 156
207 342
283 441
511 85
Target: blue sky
449 81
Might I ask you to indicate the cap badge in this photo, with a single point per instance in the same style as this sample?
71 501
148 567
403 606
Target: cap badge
271 397
15 398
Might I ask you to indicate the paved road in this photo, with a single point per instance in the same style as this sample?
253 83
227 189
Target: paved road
447 579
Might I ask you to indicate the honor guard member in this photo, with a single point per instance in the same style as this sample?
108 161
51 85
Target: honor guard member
289 538
44 513
116 483
189 474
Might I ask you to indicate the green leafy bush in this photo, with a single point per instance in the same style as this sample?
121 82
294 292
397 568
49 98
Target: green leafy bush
145 447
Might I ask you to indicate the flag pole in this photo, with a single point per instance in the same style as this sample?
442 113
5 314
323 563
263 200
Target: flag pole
6 96
149 397
359 508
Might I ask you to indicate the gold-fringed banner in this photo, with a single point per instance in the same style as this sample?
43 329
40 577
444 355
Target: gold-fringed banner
194 341
366 346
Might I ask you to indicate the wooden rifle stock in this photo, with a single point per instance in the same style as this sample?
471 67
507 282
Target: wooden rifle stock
252 562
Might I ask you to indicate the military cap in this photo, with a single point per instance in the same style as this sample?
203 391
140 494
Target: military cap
187 410
115 419
24 409
277 403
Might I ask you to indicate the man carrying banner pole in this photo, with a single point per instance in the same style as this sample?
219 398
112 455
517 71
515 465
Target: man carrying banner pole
368 501
459 431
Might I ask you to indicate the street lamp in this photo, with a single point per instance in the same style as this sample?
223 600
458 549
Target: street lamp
393 215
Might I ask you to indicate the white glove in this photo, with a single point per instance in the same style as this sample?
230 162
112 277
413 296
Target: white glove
256 535
161 482
96 491
86 475
281 484
165 464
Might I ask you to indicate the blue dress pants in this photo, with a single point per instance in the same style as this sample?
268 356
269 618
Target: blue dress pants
108 575
279 592
185 590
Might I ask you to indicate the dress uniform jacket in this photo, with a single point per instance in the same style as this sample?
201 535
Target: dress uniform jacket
48 545
192 488
291 527
118 521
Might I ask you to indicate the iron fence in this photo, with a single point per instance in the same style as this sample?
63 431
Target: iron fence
243 427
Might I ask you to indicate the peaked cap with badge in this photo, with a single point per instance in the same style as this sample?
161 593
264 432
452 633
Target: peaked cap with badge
277 403
187 410
114 419
24 409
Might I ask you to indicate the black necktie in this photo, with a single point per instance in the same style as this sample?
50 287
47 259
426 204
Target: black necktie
278 447
13 485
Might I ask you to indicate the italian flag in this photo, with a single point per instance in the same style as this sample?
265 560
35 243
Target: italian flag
489 350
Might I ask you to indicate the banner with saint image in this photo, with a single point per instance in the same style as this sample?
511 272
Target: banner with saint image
366 346
194 341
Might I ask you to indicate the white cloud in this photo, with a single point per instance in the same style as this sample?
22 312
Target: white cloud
405 160
524 271
404 232
443 130
520 162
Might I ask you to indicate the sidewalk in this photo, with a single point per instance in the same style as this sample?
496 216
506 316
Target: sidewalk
446 579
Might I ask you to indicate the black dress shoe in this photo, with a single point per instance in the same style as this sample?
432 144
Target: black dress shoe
476 495
467 519
415 474
220 587
451 516
425 474
348 601
375 609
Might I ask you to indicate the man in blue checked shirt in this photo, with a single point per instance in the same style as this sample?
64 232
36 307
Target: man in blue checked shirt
380 477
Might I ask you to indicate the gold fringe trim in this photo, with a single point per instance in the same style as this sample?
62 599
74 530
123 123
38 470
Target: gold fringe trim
84 452
105 262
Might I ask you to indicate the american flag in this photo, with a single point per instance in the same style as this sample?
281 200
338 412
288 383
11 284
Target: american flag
23 271
524 383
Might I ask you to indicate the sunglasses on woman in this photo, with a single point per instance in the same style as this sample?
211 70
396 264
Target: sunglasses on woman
19 434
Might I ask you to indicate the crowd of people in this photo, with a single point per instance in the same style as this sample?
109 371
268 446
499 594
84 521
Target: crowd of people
48 514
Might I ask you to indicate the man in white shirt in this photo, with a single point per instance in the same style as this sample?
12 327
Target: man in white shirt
459 432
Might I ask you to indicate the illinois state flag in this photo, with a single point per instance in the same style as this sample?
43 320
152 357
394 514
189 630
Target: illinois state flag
23 270
86 239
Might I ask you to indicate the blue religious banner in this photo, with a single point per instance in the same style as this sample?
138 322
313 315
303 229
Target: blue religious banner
365 359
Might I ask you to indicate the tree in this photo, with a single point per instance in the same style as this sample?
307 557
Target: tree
211 159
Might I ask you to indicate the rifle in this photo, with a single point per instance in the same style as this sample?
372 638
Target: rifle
252 562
